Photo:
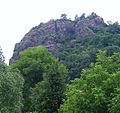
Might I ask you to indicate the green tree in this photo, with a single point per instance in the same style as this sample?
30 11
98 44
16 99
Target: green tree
78 54
11 87
97 90
114 106
47 95
114 28
36 65
2 59
1 55
32 65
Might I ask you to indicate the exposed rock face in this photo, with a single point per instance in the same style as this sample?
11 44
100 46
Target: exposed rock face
56 32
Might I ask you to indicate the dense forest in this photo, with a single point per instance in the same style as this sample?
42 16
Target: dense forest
77 71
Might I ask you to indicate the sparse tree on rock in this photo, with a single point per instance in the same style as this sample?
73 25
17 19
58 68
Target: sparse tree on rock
63 16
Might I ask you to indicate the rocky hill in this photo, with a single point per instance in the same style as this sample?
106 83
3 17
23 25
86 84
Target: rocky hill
55 33
75 42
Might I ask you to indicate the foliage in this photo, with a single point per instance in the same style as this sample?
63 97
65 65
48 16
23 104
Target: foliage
11 87
1 55
74 42
39 67
98 88
78 54
114 107
114 28
47 95
31 64
96 91
2 64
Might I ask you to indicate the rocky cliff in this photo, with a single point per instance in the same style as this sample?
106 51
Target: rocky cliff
55 33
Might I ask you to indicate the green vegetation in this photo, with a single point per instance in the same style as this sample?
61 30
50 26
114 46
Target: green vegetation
1 55
85 78
11 87
97 90
78 54
45 79
47 95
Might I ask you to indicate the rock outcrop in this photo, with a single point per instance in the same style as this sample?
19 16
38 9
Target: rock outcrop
57 32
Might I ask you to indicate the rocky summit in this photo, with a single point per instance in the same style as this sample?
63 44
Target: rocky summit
55 33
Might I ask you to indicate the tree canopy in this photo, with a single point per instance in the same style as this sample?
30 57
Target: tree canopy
45 79
97 91
11 87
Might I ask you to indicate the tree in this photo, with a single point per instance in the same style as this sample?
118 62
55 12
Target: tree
2 59
63 16
114 28
97 90
11 86
1 55
82 16
36 65
47 95
31 64
114 107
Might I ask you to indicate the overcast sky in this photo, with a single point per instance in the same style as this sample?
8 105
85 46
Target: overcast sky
17 17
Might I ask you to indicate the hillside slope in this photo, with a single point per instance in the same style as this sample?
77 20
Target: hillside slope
75 42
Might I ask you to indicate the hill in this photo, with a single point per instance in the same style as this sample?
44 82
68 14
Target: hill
74 42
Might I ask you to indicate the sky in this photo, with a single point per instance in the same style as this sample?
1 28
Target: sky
17 17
